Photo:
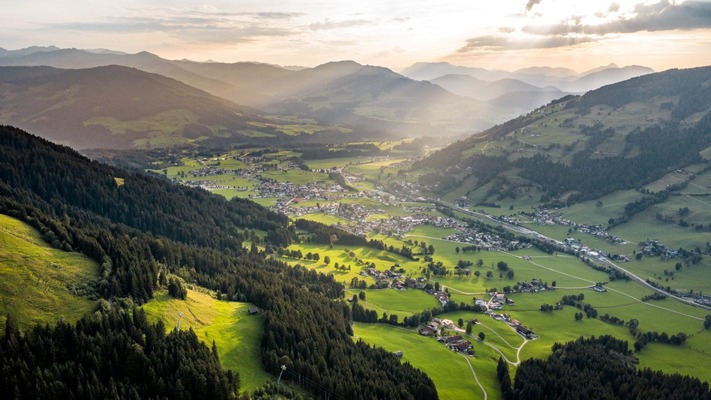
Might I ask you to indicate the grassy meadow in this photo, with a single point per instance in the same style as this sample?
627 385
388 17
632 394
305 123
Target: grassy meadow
449 370
38 283
236 334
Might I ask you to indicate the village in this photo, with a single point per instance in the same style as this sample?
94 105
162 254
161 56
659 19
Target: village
392 278
453 336
545 217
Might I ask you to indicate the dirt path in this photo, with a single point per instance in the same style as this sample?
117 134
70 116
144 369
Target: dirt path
486 396
498 350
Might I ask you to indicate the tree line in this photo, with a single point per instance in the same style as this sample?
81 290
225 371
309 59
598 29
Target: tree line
598 368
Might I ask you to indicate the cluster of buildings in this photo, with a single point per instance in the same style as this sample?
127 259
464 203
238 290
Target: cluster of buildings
496 302
544 217
703 300
485 241
388 278
534 286
656 248
394 280
454 342
210 171
515 324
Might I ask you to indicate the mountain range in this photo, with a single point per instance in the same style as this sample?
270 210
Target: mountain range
330 99
621 136
563 79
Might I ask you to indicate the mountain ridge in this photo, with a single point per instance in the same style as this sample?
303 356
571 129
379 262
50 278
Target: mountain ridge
113 106
536 76
575 148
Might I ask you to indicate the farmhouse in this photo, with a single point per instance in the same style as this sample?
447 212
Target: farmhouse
462 346
494 305
599 289
442 298
453 339
427 331
527 333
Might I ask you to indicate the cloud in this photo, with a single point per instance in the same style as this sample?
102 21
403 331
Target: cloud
501 43
329 24
277 15
531 4
612 9
200 26
660 16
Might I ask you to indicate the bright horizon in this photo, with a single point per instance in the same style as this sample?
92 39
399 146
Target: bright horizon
507 35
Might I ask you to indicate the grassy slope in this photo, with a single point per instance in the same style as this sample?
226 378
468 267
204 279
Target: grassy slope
236 333
35 279
448 370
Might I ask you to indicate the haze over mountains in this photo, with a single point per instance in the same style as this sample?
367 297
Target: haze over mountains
331 99
561 78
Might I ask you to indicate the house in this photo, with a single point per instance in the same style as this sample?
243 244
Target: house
253 310
599 289
442 298
427 331
453 339
462 345
494 305
398 353
525 331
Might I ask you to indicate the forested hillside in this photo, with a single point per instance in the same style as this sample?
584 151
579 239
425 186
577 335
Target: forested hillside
621 136
116 355
140 228
596 368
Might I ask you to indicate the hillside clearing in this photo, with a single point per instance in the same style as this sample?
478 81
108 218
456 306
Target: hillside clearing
38 283
236 333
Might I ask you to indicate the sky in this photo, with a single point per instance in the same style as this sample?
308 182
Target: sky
503 34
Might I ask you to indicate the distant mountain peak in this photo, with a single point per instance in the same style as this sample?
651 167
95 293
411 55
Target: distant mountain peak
146 54
339 63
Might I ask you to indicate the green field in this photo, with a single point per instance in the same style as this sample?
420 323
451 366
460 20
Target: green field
38 283
331 163
326 219
448 370
236 333
364 256
392 301
613 206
